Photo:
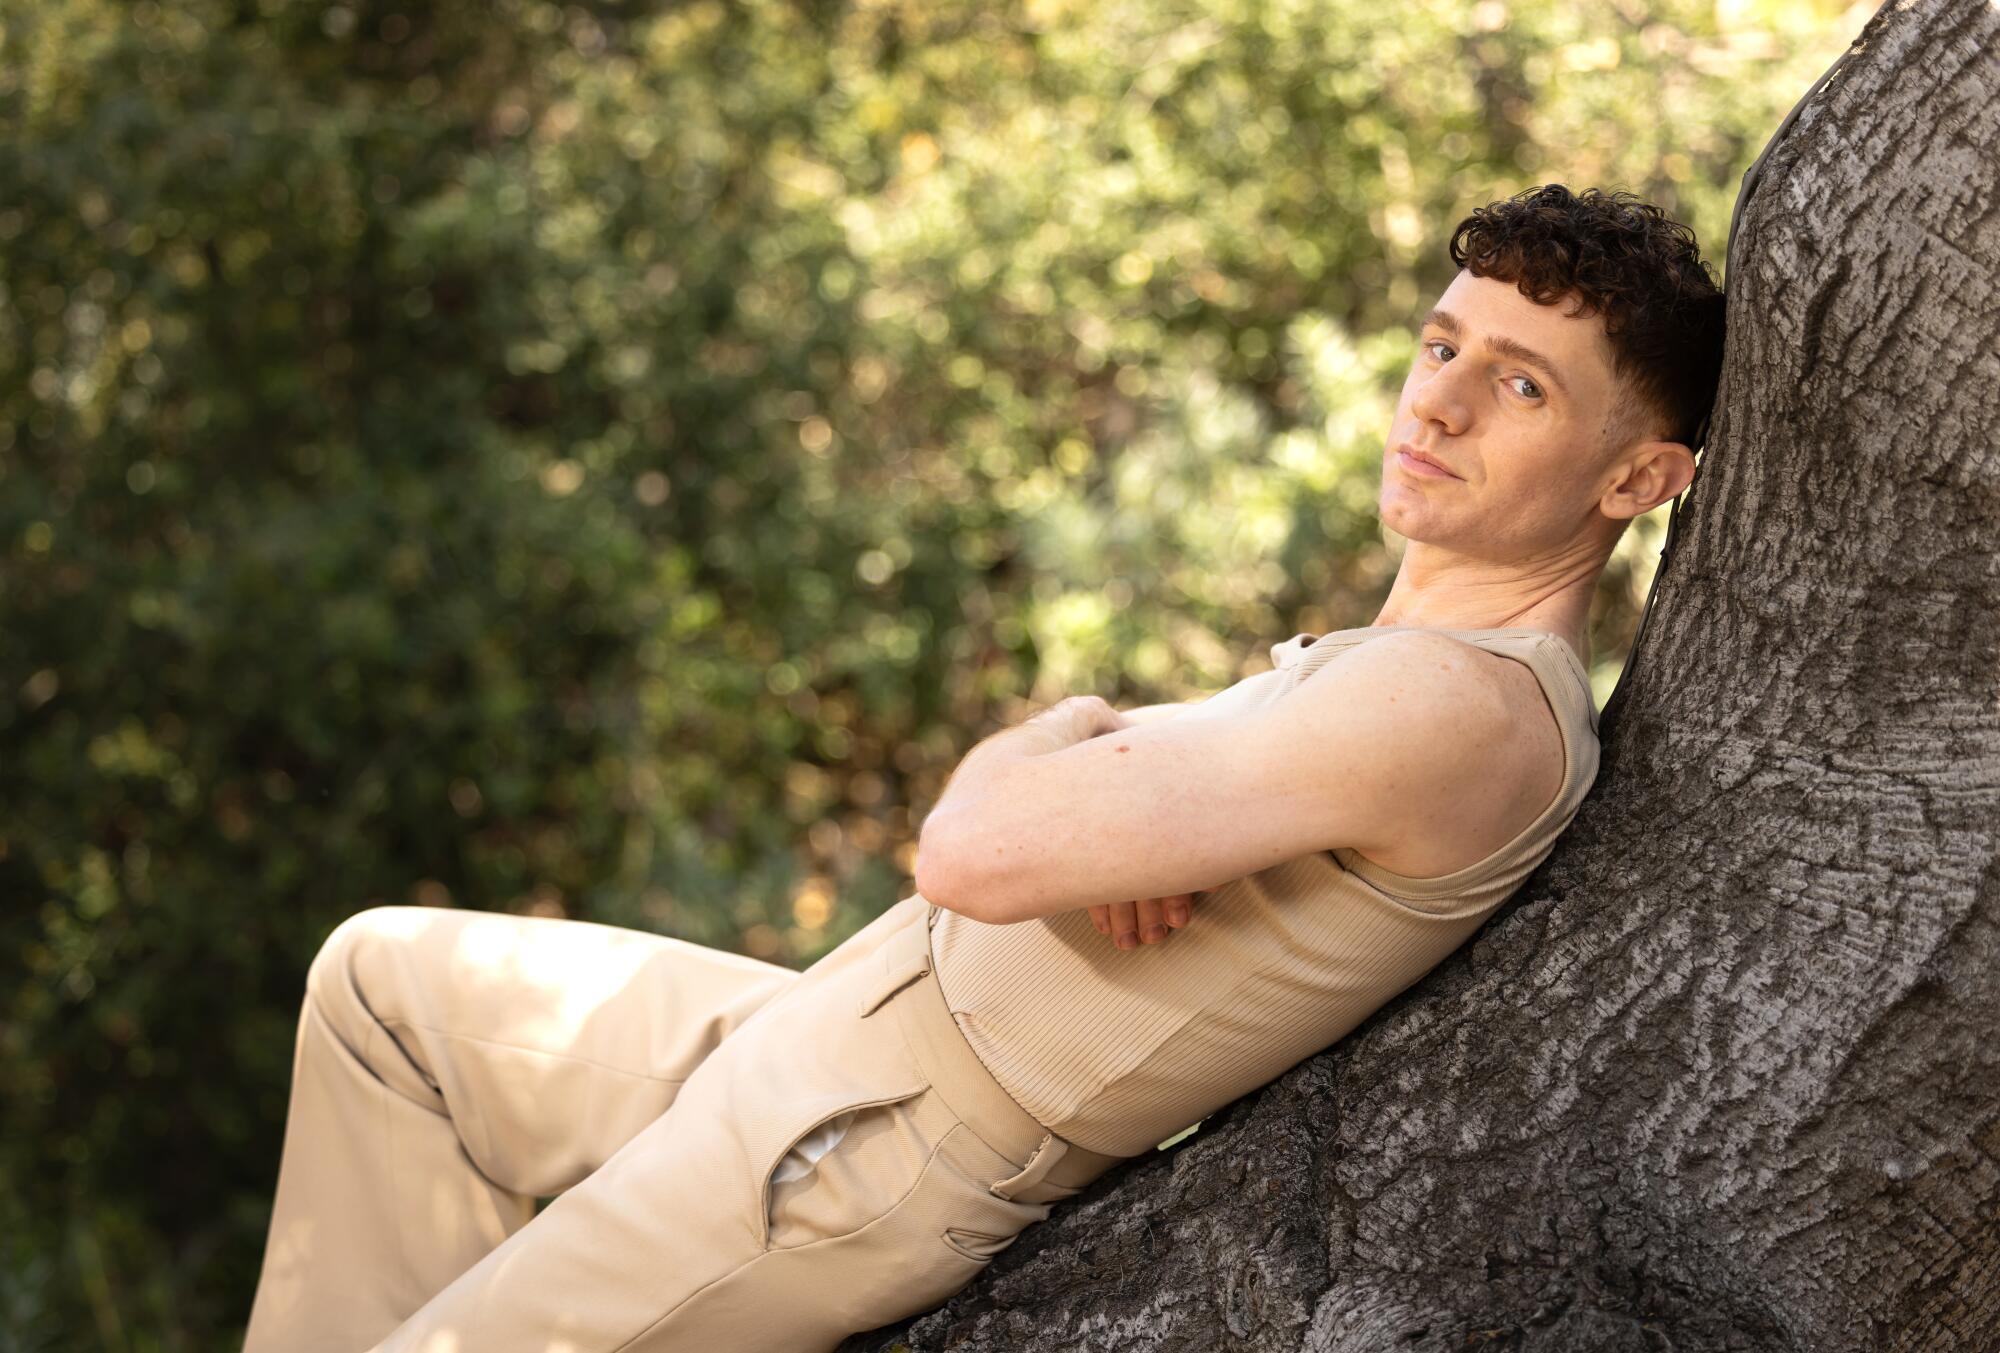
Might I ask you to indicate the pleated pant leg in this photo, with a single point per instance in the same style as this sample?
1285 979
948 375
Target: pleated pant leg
682 1238
450 1068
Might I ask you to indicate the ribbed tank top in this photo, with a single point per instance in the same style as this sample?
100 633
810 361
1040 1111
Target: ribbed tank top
1118 1049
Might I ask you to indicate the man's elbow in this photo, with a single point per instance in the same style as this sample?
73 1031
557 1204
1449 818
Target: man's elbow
944 876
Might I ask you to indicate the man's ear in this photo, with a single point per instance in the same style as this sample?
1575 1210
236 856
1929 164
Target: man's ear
1653 472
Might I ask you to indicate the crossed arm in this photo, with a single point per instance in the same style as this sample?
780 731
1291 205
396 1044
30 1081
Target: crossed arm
1084 807
1144 920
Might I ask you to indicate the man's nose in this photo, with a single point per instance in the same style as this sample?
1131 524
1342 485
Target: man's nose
1440 398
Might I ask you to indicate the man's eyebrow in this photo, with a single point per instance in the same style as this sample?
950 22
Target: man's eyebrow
1527 356
1501 344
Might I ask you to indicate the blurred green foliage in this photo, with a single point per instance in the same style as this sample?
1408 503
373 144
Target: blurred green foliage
611 460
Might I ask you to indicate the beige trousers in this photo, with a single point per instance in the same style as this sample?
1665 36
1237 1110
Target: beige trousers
453 1066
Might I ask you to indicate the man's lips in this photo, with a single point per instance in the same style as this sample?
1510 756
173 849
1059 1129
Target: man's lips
1416 462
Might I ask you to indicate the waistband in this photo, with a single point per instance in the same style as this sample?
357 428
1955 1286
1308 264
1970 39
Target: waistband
1051 1166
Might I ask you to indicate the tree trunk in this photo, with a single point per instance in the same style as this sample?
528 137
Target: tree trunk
1725 1073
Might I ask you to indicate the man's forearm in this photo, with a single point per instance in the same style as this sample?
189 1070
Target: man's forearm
1148 713
982 773
1033 737
941 841
1036 736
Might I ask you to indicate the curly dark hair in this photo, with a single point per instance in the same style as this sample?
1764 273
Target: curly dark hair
1625 260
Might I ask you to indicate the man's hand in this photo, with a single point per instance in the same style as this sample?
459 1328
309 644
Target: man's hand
1146 921
1080 718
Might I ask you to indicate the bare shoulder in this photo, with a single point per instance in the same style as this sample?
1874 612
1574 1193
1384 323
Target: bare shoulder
1470 747
1421 676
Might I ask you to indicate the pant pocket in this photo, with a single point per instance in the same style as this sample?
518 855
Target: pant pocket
878 1159
816 1062
970 1222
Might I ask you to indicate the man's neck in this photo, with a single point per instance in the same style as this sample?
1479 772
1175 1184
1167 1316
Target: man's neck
1435 589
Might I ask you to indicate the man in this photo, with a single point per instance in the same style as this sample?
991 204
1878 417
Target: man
746 1157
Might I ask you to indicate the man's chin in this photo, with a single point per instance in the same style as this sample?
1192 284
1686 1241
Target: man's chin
1411 516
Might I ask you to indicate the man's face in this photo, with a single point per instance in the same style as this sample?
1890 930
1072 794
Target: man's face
1515 399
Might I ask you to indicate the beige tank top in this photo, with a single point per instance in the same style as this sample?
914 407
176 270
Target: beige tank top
1117 1050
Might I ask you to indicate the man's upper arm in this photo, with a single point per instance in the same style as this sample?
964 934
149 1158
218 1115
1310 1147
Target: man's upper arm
1383 737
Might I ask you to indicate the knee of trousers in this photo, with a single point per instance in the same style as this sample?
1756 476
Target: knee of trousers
352 986
334 974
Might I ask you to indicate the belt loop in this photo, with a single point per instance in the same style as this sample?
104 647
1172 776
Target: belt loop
903 957
1051 1151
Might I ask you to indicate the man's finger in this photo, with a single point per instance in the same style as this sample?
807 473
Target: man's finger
1150 915
1124 931
1100 916
1178 908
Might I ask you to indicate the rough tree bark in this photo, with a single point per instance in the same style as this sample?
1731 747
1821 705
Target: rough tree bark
1725 1073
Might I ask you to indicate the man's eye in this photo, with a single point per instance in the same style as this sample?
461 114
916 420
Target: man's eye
1533 391
1434 344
